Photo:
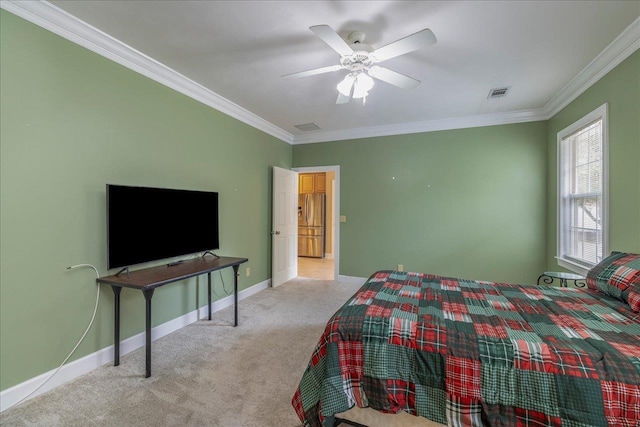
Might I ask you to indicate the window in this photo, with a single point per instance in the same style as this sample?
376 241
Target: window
582 192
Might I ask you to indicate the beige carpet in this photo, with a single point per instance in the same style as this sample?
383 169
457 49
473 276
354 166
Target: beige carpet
209 373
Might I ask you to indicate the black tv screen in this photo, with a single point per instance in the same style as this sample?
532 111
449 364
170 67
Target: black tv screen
147 224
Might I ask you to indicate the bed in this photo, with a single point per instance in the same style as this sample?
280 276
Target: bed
474 353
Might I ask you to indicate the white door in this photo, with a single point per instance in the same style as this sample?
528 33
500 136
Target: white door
284 233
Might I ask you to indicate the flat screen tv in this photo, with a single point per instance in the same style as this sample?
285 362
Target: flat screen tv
146 224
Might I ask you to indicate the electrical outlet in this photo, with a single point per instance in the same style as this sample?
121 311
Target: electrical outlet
400 267
248 271
343 218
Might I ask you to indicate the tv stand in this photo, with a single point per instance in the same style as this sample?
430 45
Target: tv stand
122 271
210 253
148 279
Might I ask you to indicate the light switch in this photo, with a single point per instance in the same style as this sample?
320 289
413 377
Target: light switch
343 218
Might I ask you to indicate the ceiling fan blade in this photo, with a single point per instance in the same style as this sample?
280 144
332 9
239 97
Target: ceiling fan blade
332 38
405 45
393 77
313 72
342 99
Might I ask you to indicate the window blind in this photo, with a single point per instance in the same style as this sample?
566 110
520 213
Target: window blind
582 210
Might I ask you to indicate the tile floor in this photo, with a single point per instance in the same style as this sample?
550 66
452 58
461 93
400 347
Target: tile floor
315 268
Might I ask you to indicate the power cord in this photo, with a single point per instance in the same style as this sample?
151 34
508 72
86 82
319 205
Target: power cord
224 288
95 309
219 271
223 285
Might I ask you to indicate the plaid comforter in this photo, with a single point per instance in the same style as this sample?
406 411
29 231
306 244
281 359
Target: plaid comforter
472 353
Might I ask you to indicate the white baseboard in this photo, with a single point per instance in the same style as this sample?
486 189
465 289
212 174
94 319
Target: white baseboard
101 357
351 279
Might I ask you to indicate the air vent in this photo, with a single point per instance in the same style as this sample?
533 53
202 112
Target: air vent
307 127
499 92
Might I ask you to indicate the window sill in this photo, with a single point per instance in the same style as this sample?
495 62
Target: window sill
573 266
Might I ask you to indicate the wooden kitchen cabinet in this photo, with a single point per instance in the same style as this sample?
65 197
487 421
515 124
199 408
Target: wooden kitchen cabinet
306 183
312 183
321 182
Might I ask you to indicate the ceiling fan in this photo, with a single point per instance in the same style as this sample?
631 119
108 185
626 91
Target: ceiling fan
360 60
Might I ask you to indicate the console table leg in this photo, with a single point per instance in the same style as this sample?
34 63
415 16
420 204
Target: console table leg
209 293
116 325
235 294
147 296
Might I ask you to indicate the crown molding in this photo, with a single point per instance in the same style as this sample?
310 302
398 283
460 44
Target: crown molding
611 56
59 22
425 126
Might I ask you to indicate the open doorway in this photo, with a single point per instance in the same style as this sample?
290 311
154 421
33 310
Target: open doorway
318 214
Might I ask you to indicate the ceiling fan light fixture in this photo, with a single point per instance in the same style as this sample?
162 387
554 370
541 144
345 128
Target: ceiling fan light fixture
362 86
359 60
344 87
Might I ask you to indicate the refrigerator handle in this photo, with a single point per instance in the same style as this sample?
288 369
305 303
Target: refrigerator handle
306 206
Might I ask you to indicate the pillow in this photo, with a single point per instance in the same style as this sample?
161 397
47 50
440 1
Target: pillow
618 275
633 297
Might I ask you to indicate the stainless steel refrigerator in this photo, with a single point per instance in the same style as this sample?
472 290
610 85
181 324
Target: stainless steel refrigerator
311 225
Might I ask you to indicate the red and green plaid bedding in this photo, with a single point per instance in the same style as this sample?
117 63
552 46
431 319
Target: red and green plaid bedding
474 353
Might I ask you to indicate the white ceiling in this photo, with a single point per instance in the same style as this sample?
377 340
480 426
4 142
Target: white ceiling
239 50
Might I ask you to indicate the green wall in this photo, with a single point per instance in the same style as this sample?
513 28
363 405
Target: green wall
467 203
620 88
72 121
